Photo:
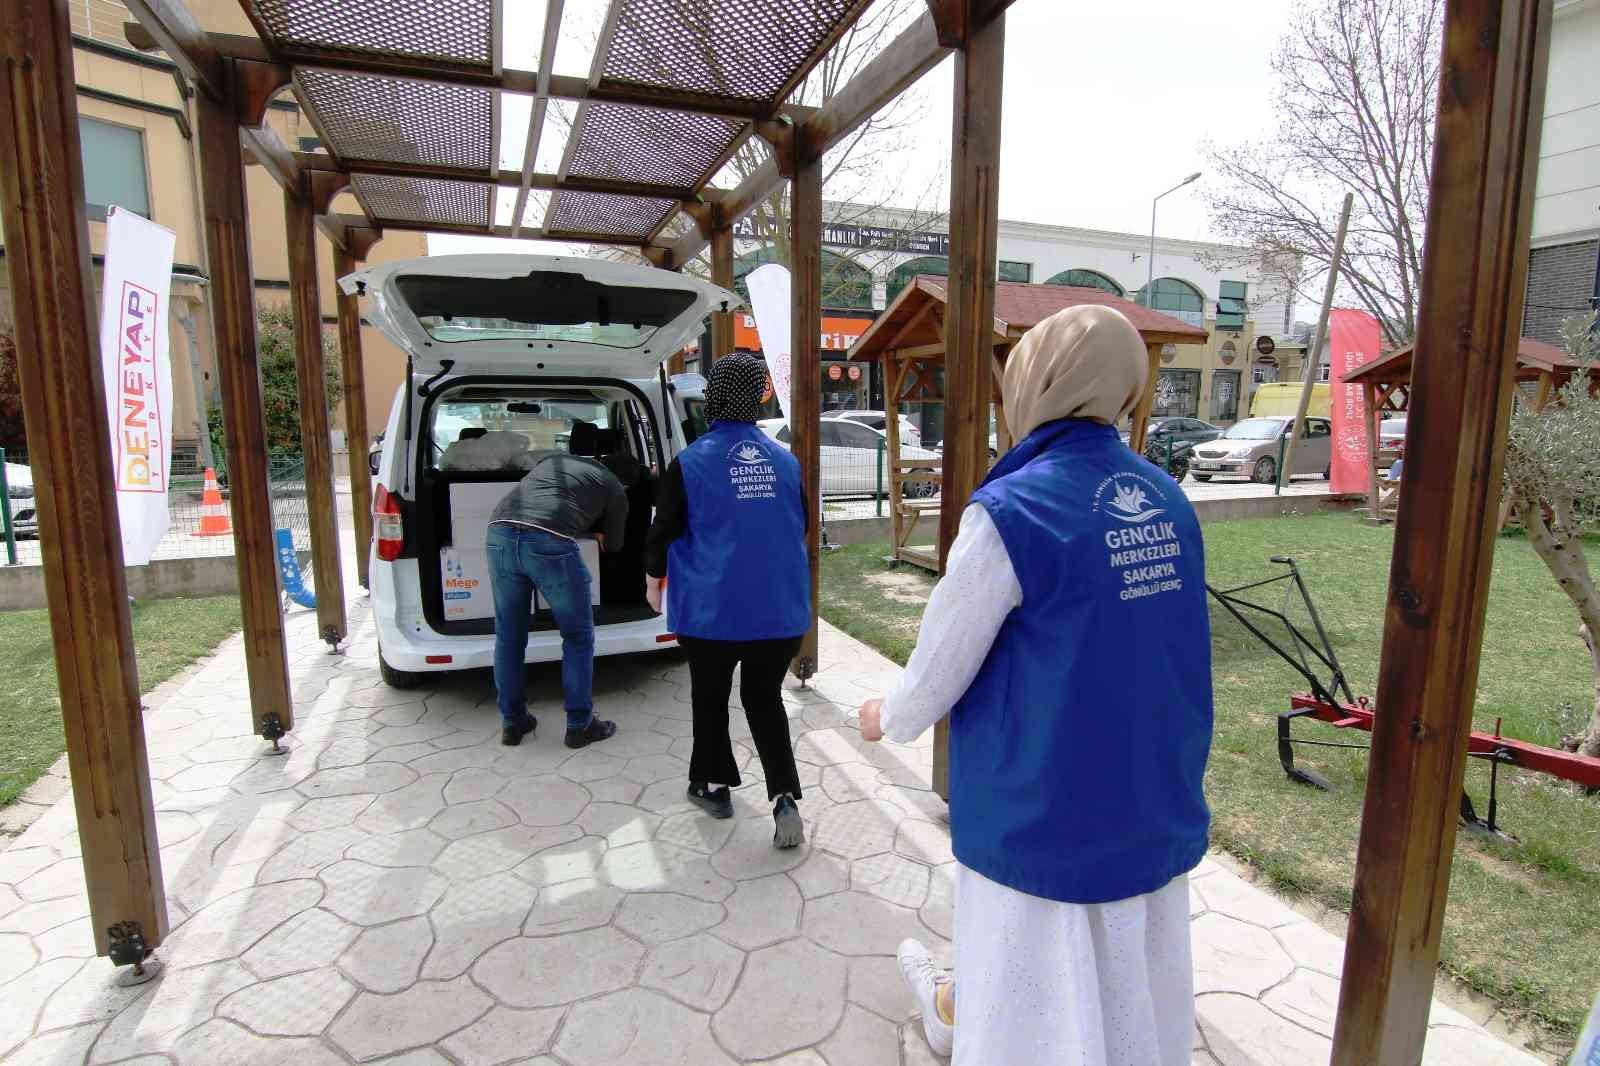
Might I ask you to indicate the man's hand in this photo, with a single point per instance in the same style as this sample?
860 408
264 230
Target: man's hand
870 712
653 587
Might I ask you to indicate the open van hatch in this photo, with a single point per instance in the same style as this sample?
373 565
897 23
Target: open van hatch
536 313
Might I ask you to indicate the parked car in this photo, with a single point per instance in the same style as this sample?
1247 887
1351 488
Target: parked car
1283 398
855 457
1251 449
1178 430
1392 431
909 433
527 344
19 487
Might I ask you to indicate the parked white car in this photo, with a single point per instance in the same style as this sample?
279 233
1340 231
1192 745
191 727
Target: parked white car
854 457
520 346
19 487
909 433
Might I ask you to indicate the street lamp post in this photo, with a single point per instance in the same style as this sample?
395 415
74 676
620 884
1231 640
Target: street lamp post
1150 277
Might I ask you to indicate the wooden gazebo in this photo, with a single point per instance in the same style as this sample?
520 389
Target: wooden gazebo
909 339
1540 367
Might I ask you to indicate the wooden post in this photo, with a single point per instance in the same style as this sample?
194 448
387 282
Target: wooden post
805 331
316 446
1314 357
354 379
233 313
1475 264
1139 427
969 311
63 390
1375 502
722 274
974 226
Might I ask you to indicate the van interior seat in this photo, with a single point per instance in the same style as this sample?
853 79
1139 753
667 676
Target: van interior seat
584 439
472 433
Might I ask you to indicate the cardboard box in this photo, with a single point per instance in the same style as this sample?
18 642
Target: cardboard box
468 594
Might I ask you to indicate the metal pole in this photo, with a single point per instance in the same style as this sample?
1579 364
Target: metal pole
1314 358
1150 265
5 512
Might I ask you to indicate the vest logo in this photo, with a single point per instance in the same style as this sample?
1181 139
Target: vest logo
1130 504
748 453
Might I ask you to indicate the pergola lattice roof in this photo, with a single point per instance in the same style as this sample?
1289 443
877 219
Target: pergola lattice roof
407 97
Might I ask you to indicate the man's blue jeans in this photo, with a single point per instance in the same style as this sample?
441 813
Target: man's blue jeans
521 560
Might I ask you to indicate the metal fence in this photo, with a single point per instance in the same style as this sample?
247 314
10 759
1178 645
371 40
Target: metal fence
185 538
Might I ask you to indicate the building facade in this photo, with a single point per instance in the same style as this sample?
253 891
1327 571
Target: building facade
869 255
136 125
1564 252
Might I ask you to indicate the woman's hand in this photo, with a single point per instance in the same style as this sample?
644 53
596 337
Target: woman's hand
652 592
870 712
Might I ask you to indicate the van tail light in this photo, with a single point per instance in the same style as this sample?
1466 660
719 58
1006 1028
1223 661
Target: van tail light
388 526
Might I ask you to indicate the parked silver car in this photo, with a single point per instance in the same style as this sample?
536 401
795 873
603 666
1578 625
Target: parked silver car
1251 449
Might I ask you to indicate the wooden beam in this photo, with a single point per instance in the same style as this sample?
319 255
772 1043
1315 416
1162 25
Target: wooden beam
357 443
415 68
1139 426
316 444
805 355
324 188
969 309
177 33
233 314
722 274
63 390
321 161
259 85
1475 261
911 55
264 147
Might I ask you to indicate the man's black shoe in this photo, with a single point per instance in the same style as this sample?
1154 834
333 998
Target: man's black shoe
592 733
512 735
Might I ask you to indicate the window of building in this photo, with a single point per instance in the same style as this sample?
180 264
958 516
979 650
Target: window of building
928 264
845 283
1231 306
1176 297
1087 279
113 168
1014 271
1225 396
1177 394
1325 372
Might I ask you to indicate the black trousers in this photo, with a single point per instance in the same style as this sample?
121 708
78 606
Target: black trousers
711 664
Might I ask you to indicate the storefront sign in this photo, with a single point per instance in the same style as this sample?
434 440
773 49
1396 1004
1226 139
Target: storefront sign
877 238
1353 339
837 333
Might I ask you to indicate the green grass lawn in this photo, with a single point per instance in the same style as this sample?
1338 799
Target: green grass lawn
167 635
1521 924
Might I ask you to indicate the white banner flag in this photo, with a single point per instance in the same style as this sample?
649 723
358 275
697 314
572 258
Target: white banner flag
769 300
138 373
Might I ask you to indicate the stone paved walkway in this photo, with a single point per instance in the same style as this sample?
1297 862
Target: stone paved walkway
402 889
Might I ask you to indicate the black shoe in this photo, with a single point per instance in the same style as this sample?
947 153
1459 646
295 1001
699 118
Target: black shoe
592 733
716 802
791 831
512 735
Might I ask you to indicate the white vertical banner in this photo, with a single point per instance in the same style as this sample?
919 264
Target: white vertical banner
769 300
134 341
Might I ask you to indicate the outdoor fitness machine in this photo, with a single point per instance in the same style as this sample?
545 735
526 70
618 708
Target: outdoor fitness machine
1331 700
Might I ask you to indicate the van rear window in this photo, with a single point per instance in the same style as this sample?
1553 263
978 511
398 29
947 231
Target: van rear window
540 306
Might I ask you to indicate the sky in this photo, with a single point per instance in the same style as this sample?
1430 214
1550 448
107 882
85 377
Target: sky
1106 105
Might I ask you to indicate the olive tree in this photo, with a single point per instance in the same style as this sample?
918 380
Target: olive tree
1552 479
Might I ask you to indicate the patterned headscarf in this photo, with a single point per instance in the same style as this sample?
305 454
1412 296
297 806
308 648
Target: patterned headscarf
734 389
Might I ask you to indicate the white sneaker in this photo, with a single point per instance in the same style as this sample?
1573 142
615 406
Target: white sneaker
924 977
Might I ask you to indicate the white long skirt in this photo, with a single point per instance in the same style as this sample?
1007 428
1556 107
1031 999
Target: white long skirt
1042 983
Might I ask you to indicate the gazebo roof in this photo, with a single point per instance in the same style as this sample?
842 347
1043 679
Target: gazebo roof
408 101
1534 357
1018 307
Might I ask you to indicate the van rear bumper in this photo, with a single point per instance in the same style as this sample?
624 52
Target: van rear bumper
410 651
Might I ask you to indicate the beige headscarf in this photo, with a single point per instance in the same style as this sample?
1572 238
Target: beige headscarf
1085 362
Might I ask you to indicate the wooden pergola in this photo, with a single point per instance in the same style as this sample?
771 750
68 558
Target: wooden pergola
1386 383
407 105
909 339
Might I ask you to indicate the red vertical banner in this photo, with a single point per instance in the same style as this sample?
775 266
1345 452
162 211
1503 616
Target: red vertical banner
1353 341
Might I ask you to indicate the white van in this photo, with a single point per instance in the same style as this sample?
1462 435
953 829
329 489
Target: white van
529 345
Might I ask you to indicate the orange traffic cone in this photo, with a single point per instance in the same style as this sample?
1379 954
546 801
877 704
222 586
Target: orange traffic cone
213 512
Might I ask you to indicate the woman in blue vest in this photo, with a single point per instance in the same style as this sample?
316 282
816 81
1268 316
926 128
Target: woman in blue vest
729 543
1069 643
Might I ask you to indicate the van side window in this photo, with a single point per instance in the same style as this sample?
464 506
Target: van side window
694 419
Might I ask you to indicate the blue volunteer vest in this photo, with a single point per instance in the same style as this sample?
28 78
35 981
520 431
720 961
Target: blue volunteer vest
740 570
1077 754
